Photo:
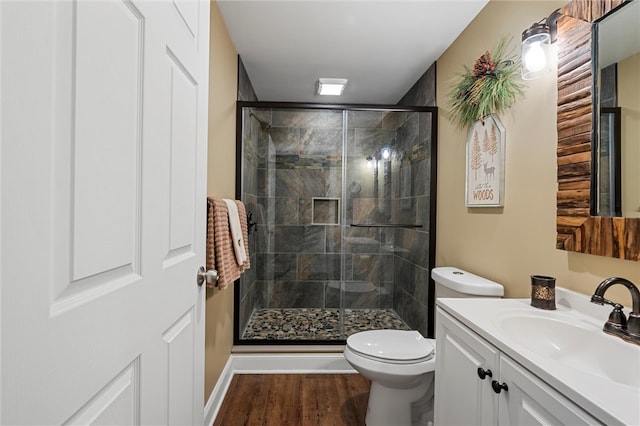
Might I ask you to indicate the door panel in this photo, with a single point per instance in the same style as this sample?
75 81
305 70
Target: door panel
183 109
97 107
188 11
103 193
106 143
179 340
459 355
115 404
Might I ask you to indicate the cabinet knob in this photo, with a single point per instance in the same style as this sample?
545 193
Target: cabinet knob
484 373
498 387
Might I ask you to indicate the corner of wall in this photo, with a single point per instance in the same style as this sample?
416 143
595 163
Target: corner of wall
223 75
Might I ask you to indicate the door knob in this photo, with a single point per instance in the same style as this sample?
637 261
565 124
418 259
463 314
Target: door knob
210 276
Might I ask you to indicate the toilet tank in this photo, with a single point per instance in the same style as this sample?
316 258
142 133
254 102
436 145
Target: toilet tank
454 282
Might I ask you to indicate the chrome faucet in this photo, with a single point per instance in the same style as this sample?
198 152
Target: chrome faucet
617 324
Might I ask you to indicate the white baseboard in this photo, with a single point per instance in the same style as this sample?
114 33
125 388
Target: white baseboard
272 363
217 395
287 363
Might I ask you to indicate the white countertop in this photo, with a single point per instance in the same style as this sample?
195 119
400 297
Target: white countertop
609 401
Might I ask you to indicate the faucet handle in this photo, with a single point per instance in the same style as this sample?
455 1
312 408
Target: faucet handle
633 325
617 318
599 300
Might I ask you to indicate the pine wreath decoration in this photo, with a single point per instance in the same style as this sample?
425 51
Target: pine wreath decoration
489 87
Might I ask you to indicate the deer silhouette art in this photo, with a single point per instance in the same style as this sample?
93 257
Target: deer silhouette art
488 171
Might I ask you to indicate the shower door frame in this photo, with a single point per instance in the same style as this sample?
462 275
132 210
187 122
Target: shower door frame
240 105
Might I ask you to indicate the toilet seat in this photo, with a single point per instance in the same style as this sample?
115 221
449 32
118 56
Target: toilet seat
392 346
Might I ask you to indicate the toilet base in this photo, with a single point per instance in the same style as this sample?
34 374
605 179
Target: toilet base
401 407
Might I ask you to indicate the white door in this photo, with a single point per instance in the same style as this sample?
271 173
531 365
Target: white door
103 119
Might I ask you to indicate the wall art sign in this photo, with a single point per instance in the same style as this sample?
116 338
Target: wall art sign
485 163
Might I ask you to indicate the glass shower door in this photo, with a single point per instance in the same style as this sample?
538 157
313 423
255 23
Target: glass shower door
379 204
296 201
342 206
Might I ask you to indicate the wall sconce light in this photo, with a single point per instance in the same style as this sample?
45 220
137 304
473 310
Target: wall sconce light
536 45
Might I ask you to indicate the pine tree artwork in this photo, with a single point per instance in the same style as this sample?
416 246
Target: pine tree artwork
493 143
485 141
476 155
485 163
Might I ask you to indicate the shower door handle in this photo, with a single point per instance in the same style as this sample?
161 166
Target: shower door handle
210 276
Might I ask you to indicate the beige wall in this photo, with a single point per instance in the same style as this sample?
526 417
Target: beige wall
509 244
221 183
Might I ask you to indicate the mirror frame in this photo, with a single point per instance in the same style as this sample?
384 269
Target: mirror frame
577 230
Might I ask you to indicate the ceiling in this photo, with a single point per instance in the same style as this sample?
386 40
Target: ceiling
381 46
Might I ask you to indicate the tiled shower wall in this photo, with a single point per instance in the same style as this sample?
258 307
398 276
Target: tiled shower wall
251 140
411 201
298 260
253 137
412 262
300 264
368 251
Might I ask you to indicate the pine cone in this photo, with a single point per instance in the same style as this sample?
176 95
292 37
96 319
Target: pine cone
481 67
478 69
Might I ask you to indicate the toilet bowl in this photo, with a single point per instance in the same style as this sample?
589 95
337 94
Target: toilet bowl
401 364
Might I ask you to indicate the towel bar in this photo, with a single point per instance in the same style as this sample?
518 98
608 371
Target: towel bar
210 276
385 225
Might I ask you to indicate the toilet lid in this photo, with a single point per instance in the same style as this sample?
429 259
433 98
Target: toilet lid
392 345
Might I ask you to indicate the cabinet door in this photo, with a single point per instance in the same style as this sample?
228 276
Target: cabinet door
529 401
461 396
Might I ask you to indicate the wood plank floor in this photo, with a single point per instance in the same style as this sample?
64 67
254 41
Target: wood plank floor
295 399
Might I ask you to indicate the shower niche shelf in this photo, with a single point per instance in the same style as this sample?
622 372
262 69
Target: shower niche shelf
325 211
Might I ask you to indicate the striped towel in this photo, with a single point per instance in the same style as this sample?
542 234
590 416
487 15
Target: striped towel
236 231
220 251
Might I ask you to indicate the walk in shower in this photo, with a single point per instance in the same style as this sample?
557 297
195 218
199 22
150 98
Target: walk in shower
342 208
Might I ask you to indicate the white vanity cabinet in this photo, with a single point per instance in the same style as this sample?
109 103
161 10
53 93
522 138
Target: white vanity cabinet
461 396
464 397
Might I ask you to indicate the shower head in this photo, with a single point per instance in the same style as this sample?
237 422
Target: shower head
263 125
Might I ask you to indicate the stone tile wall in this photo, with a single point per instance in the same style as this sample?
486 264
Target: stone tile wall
300 261
411 260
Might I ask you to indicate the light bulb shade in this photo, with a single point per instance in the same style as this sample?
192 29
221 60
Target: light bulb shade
536 45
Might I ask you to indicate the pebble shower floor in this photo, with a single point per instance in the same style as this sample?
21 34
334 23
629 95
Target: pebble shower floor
318 324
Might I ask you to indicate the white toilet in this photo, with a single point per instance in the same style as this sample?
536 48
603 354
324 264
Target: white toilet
400 364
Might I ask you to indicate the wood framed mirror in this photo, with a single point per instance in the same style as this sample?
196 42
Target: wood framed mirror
577 230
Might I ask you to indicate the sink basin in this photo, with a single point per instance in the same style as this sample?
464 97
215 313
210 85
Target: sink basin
574 342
